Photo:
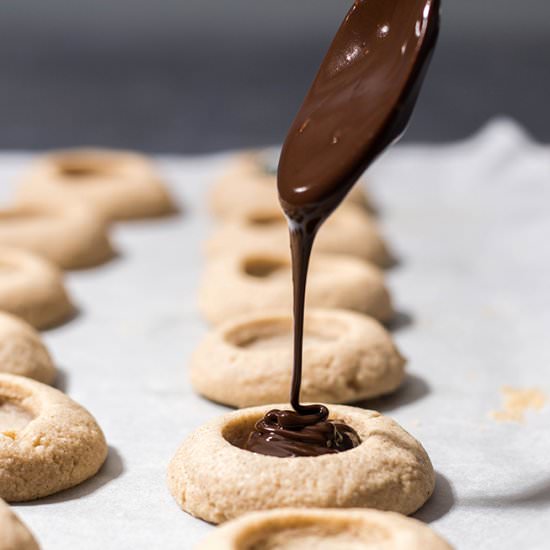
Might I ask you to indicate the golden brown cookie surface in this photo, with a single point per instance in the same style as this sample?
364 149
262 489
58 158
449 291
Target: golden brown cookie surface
120 185
248 361
348 231
47 441
69 234
214 478
323 529
22 351
14 535
249 185
240 283
32 288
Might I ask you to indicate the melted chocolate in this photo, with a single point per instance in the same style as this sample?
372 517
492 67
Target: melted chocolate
288 433
359 103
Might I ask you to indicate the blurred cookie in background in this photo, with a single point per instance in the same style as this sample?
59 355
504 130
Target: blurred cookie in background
22 351
323 529
350 231
68 233
32 288
14 534
249 183
121 185
254 281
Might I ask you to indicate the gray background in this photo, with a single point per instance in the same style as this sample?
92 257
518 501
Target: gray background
194 76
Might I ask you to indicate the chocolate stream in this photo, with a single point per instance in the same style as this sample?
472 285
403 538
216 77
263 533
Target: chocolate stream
359 103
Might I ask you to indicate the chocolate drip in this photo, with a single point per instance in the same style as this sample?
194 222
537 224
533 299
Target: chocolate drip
360 102
289 433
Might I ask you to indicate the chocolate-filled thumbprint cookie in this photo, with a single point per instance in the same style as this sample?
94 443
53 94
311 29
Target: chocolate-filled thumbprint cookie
69 234
22 351
32 288
247 361
47 441
121 185
248 282
323 529
377 464
14 534
348 231
249 184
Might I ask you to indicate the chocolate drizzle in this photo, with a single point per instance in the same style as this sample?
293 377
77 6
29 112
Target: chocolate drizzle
359 103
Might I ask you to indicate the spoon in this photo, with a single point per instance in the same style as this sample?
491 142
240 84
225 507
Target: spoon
360 101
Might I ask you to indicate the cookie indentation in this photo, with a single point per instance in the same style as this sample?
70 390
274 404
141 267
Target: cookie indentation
263 267
237 430
349 231
81 171
274 333
265 219
238 283
13 417
354 535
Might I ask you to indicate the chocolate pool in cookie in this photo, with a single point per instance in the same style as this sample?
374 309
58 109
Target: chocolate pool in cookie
313 455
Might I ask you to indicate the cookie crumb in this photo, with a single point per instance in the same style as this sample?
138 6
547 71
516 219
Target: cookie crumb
516 402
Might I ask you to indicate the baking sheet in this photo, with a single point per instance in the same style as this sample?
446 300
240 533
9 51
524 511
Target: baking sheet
470 223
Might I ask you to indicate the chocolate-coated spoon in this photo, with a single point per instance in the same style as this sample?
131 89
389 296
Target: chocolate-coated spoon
360 102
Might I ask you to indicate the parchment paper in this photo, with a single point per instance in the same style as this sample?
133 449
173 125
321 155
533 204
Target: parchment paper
470 223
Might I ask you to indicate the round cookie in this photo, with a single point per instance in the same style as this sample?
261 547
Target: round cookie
121 185
70 234
322 529
235 284
32 288
348 231
212 477
14 534
248 361
249 184
22 351
47 441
